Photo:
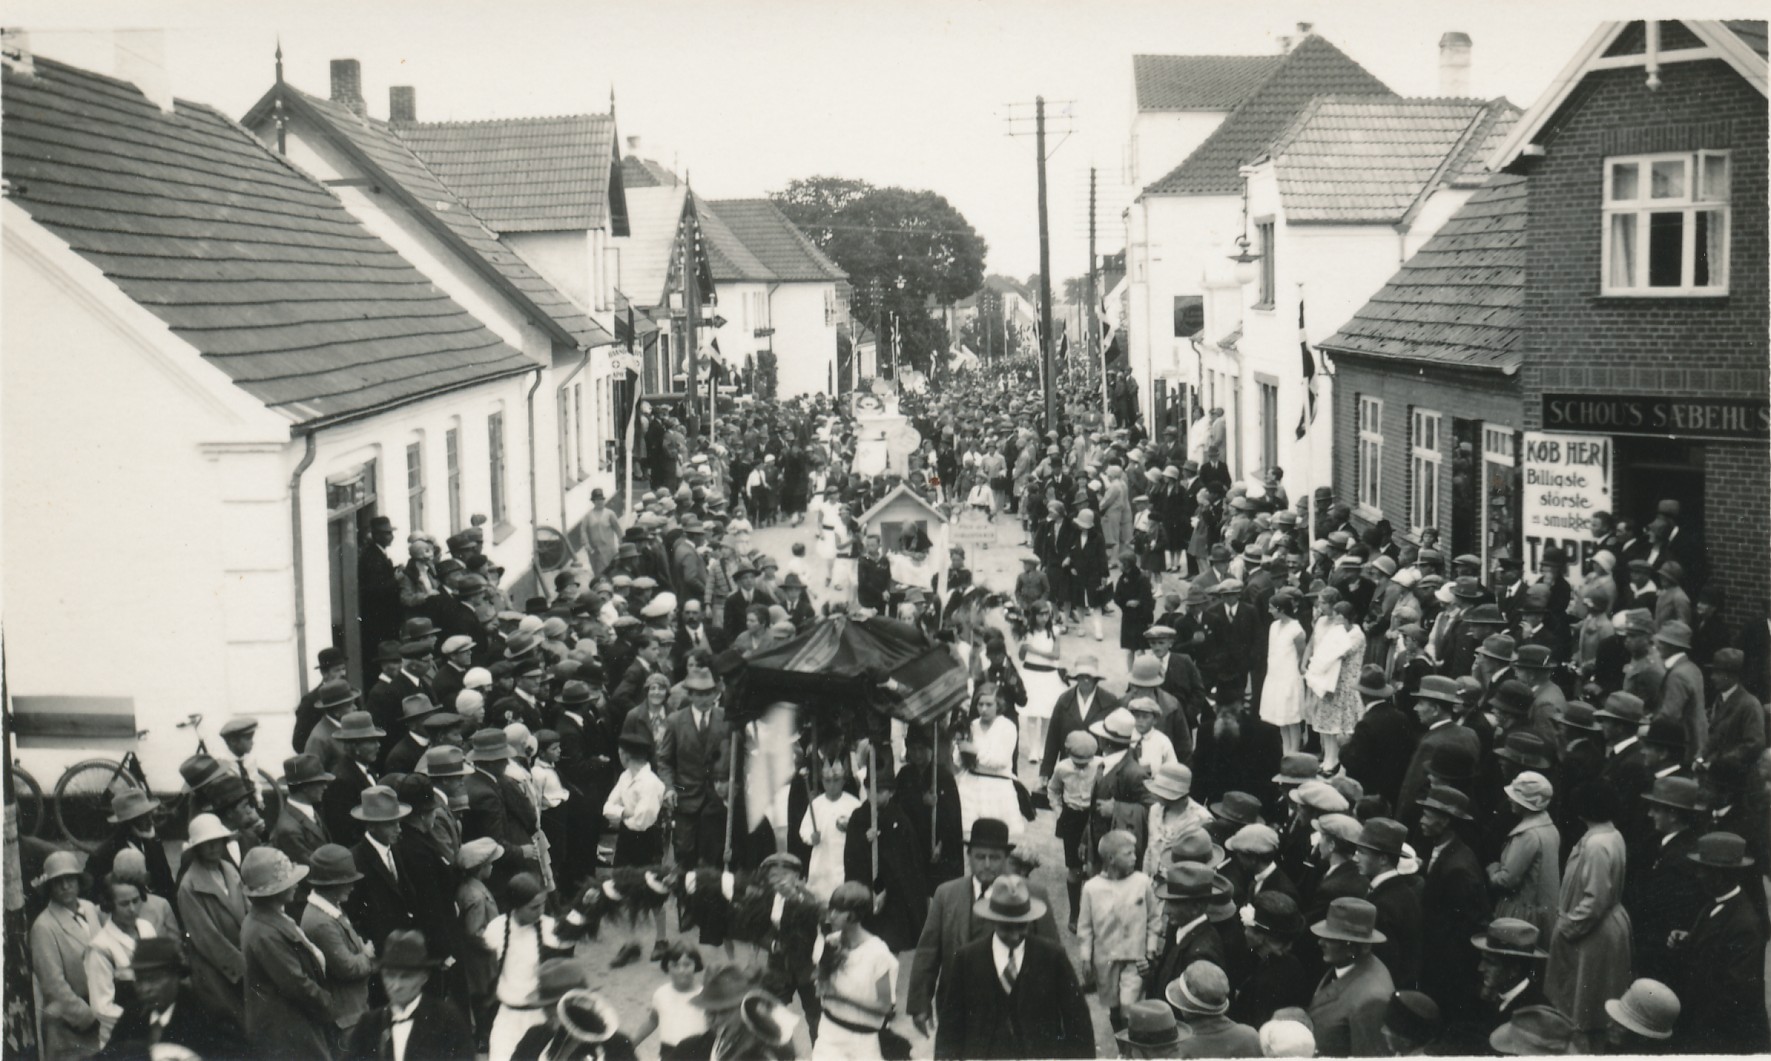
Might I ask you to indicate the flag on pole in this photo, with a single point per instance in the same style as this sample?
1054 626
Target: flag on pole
1309 411
1064 347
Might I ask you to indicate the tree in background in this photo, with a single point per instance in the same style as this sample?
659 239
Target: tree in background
909 245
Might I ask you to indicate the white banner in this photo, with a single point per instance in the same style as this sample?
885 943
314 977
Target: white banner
1566 478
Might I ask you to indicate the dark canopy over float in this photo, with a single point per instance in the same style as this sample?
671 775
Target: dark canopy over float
845 661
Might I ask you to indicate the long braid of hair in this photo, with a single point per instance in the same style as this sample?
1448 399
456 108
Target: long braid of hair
504 948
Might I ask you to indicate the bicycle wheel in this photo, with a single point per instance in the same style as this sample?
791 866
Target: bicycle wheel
271 796
28 795
83 800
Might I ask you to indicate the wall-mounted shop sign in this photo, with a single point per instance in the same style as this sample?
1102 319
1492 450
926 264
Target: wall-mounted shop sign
1564 480
1727 419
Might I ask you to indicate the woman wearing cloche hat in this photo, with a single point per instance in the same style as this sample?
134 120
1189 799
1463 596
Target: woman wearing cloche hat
287 1003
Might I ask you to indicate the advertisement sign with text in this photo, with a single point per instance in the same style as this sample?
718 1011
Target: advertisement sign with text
1566 478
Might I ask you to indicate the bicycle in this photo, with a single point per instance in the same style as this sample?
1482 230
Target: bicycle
27 795
83 794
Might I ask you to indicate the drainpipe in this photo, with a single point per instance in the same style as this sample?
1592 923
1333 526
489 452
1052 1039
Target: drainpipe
534 490
567 382
307 459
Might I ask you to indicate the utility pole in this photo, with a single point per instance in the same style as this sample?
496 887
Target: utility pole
1045 275
1094 320
692 311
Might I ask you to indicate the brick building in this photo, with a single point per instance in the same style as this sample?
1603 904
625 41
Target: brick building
1427 396
1645 301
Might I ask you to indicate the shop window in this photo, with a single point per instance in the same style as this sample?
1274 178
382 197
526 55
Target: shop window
1666 224
1424 466
1371 455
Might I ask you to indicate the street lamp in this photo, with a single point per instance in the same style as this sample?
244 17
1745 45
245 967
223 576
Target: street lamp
1246 262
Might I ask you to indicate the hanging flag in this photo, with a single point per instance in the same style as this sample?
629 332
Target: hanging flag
1309 411
1064 347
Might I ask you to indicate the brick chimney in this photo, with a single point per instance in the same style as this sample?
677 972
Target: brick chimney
633 145
1454 64
402 103
347 86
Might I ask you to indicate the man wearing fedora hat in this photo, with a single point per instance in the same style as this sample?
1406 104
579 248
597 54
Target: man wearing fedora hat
403 757
1076 708
1454 900
360 738
1625 770
952 922
385 699
1722 955
693 760
1348 1009
1277 978
335 699
1151 1031
1187 890
1666 895
496 806
299 829
1509 970
415 1024
1014 994
1383 741
1378 851
383 900
286 999
1737 719
1537 667
132 812
350 960
1435 704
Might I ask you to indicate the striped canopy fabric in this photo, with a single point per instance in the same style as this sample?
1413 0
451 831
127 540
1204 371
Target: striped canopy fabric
844 662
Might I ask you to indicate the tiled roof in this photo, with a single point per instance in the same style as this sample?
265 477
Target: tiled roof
653 213
639 172
1751 32
1313 68
257 266
777 242
1198 82
1460 300
523 174
726 253
382 153
1370 159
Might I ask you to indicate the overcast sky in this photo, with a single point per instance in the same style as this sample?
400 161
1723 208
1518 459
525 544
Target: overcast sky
747 96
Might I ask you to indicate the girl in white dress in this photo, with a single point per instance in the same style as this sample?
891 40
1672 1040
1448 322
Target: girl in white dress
1282 694
986 782
857 981
825 827
1039 674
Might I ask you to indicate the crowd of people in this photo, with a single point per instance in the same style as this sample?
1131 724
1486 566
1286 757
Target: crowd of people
1358 797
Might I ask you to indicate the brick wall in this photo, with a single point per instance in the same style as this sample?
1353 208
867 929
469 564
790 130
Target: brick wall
1489 397
1577 341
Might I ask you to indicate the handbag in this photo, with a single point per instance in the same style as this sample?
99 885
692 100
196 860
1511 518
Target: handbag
892 1046
1025 799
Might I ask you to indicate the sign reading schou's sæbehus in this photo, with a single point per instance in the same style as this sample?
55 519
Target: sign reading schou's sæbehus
1732 419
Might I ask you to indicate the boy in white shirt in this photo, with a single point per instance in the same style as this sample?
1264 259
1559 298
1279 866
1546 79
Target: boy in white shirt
1118 928
634 808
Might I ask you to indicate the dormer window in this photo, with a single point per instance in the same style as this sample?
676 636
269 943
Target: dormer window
1666 225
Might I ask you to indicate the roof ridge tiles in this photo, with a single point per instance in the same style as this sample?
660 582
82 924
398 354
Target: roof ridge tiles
527 119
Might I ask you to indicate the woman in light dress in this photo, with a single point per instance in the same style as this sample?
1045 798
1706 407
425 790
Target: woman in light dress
825 827
1333 707
857 981
1282 694
1039 673
987 768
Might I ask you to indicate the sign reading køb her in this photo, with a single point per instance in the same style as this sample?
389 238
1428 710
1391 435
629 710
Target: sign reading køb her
1566 479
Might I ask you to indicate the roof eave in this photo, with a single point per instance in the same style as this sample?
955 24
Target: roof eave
450 238
1508 366
307 427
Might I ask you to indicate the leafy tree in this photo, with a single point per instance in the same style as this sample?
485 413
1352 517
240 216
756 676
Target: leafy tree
910 246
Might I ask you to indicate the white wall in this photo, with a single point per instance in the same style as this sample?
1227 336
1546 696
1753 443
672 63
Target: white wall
563 258
805 346
1162 140
1174 244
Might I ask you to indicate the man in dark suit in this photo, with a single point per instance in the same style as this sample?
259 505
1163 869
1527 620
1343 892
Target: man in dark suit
692 632
132 813
1736 718
386 699
1509 972
167 1012
694 761
382 901
951 922
427 1026
378 587
1237 636
1625 771
360 738
1382 745
1347 1011
452 609
873 579
299 831
1188 891
1671 892
1379 852
1182 680
1276 979
1722 985
746 594
491 809
1014 994
1078 707
1434 706
652 657
1454 903
403 757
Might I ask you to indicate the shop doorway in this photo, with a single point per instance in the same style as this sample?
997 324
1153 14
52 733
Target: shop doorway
350 506
1465 532
1648 471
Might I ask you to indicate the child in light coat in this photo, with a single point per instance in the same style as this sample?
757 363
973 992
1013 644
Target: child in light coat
1119 928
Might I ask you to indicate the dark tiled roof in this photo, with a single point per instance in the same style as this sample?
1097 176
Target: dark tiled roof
1371 159
1198 82
1313 68
386 155
1460 300
523 174
726 253
1751 32
778 243
256 265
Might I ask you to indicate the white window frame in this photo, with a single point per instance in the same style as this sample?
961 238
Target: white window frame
1370 485
1643 205
1426 466
453 460
498 467
580 464
415 482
